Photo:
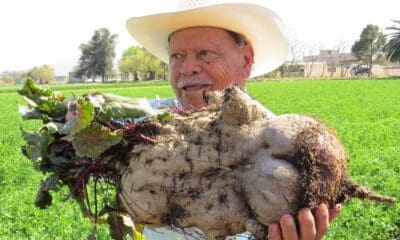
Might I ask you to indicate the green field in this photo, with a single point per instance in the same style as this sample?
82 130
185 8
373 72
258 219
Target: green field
364 113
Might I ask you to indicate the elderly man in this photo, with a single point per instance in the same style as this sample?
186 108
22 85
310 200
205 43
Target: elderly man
215 46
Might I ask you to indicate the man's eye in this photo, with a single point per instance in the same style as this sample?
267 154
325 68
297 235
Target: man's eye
207 55
176 56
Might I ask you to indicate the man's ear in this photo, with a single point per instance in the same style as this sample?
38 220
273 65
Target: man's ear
247 60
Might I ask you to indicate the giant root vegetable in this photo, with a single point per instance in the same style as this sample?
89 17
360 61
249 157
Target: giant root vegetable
226 169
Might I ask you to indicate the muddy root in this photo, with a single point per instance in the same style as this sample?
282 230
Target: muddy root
351 189
322 165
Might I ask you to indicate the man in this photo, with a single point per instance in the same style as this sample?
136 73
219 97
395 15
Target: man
212 47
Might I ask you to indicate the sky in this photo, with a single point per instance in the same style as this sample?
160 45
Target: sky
40 32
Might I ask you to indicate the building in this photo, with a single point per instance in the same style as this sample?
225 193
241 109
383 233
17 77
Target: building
329 63
72 78
61 79
333 63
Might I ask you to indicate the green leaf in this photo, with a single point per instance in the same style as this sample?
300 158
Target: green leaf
61 159
137 235
94 140
31 91
113 107
166 116
57 159
31 113
43 101
43 197
53 127
84 115
51 183
138 232
37 144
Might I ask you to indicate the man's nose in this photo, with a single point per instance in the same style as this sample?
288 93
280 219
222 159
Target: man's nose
190 65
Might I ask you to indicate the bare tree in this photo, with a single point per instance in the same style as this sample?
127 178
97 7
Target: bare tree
296 52
310 58
345 58
328 61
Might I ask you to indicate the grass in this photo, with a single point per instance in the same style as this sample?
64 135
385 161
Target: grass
87 86
364 113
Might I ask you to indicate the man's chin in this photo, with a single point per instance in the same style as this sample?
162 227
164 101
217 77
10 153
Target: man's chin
190 105
194 98
191 101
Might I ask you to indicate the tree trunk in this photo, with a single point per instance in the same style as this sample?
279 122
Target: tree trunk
310 70
135 76
370 61
164 72
323 69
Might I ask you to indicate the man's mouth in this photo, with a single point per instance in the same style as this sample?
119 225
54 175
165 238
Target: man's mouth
195 88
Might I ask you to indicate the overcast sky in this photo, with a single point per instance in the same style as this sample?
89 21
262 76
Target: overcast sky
50 31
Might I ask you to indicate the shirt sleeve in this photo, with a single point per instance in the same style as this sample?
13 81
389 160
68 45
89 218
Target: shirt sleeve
166 233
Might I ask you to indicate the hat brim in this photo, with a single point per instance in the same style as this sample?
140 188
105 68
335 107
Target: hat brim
261 26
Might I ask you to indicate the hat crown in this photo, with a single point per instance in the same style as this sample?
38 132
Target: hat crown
190 4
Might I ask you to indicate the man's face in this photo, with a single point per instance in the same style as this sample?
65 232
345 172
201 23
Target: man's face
204 59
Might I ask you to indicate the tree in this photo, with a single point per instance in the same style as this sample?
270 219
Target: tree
42 74
130 62
296 51
7 79
97 55
345 59
152 66
392 48
18 76
369 48
310 59
142 64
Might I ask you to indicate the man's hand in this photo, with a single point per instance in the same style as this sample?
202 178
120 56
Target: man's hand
311 227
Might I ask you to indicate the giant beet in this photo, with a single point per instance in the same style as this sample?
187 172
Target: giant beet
226 169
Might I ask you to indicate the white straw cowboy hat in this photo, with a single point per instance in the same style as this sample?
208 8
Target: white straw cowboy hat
262 28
